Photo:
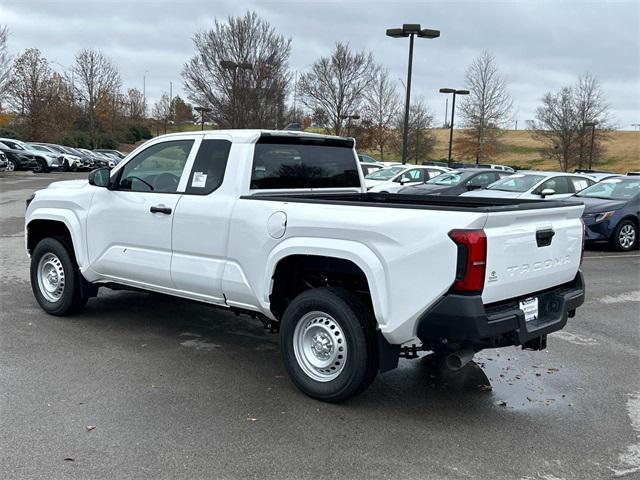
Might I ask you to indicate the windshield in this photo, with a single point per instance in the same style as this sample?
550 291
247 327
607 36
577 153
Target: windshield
613 189
385 173
516 183
452 179
39 147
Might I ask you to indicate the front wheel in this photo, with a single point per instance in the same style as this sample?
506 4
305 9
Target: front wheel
625 237
41 166
55 278
328 344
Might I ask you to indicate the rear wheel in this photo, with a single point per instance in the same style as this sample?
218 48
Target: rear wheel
328 344
625 237
55 278
12 166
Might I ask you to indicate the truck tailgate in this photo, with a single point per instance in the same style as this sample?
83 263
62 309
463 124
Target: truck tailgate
531 250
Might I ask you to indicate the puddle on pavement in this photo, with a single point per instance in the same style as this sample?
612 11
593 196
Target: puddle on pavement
510 380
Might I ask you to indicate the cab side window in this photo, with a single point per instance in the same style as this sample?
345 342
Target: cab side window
580 183
209 167
559 185
156 169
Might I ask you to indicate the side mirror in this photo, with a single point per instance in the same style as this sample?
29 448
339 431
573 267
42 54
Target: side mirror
404 180
100 177
547 191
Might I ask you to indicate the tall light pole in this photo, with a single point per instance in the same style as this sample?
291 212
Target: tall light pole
409 30
144 92
593 134
234 67
453 112
349 117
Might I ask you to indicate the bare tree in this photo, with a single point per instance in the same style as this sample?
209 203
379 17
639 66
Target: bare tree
337 84
5 63
420 140
488 105
135 103
381 107
162 110
560 123
240 70
29 92
97 78
590 107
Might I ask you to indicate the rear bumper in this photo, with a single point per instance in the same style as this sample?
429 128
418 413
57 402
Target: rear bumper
463 319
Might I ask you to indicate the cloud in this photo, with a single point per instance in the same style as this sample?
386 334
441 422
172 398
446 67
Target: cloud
540 46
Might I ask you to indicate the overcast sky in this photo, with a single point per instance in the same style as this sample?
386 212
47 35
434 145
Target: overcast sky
539 45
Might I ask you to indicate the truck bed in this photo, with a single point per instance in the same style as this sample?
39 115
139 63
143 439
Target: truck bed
426 202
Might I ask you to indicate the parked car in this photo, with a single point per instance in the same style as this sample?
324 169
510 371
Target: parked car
456 182
407 175
69 161
98 159
18 159
346 277
597 175
4 163
117 153
611 212
368 168
504 168
45 161
367 158
536 185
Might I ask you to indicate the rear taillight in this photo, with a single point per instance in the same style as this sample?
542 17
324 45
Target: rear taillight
584 239
472 260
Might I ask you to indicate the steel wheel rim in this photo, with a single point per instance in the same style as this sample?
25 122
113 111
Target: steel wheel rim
11 166
51 277
627 236
319 346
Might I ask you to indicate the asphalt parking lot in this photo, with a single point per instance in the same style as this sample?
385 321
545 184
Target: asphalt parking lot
145 386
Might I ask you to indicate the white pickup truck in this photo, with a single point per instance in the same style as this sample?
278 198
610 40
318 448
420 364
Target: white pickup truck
279 225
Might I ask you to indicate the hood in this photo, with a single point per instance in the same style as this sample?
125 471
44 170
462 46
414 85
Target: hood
597 205
427 189
69 184
372 183
491 194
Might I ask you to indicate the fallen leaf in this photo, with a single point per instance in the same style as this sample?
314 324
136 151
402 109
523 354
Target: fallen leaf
90 428
69 459
551 370
502 403
251 419
485 388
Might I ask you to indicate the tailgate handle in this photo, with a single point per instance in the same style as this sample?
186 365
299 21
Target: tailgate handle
544 237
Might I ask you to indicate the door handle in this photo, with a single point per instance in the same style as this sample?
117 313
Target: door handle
160 209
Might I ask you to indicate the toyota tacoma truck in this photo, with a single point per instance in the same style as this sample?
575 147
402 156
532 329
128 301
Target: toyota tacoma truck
279 225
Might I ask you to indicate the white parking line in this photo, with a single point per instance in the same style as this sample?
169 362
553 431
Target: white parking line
613 256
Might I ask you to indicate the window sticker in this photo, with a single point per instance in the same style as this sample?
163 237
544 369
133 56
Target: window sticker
199 180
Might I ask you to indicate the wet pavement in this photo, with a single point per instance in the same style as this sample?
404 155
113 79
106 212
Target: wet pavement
146 386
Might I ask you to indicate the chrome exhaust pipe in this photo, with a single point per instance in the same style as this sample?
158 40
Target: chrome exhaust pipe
456 360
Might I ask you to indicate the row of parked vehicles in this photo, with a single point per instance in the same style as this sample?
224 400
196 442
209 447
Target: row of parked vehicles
612 201
45 157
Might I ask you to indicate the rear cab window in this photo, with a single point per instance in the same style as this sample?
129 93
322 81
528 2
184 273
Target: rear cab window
283 162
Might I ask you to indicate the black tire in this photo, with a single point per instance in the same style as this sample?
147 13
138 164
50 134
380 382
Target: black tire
357 326
13 166
71 300
42 166
620 239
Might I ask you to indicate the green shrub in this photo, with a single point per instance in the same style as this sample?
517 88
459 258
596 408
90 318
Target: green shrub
10 133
